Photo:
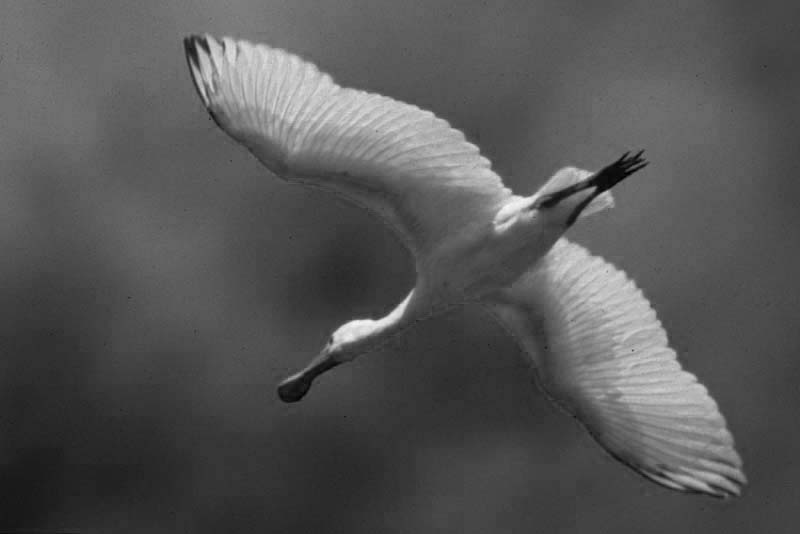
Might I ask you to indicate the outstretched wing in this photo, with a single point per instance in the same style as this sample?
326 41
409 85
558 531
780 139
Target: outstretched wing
404 164
602 354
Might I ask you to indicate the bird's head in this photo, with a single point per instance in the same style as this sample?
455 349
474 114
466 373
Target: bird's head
350 340
345 344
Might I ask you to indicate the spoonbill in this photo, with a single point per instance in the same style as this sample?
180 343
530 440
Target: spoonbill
598 348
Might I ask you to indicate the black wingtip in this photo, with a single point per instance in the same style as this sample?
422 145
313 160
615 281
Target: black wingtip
193 46
190 50
196 39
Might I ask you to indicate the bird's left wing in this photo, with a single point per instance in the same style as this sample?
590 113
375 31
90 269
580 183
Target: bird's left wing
602 354
400 162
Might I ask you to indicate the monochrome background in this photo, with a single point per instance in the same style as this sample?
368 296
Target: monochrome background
156 283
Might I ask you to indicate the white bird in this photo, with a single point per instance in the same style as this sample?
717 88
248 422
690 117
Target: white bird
599 350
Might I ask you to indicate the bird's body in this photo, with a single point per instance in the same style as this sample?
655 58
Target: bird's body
599 349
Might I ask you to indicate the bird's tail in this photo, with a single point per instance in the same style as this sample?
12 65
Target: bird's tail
569 176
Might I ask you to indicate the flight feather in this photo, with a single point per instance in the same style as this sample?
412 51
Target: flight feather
404 164
602 354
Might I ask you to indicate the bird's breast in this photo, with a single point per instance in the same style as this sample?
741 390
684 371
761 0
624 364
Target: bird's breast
485 261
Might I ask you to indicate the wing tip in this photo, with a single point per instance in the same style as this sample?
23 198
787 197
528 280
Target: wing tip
720 484
719 475
198 51
710 483
194 45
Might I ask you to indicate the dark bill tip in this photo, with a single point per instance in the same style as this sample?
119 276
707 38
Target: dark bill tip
294 388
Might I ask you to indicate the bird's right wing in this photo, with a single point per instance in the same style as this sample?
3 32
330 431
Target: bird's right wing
602 354
400 162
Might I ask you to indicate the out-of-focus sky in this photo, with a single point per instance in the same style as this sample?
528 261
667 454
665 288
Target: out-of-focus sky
156 283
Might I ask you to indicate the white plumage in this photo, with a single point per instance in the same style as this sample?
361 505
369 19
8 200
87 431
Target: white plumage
599 350
402 163
602 354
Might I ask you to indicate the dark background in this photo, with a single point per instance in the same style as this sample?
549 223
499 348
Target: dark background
156 283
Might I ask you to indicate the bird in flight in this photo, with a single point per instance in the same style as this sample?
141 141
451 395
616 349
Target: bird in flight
599 350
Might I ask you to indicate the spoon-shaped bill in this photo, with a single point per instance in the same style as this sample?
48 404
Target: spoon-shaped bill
296 386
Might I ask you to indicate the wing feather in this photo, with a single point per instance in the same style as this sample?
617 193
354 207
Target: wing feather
602 354
398 161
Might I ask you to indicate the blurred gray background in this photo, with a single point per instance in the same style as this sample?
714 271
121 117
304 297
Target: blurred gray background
157 283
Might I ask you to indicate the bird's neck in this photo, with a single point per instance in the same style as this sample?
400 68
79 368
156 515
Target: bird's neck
380 331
